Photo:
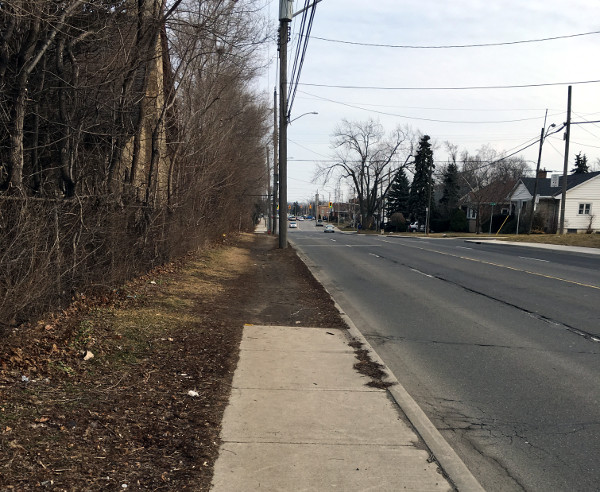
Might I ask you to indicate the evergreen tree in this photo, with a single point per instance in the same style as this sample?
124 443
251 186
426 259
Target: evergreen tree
451 190
458 221
398 195
581 165
420 188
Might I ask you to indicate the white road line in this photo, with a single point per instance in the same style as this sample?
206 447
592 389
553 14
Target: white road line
463 247
376 256
531 258
422 273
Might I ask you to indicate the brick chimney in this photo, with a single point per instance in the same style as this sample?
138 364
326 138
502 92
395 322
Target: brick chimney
542 174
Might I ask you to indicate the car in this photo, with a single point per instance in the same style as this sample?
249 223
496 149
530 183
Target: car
415 227
319 223
300 218
293 225
329 228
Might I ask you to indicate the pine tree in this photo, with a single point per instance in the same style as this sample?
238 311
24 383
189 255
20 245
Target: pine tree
398 194
581 165
451 190
420 188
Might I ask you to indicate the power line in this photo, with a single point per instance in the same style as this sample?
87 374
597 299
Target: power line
586 145
300 52
419 118
475 87
450 46
428 108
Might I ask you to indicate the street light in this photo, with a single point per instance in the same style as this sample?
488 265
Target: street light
298 117
543 135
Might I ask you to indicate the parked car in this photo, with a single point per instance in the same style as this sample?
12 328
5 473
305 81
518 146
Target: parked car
293 225
329 228
319 223
416 227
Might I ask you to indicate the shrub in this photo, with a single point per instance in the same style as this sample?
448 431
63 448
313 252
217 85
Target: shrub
458 221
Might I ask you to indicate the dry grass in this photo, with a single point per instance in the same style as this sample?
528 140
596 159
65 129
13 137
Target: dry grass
584 240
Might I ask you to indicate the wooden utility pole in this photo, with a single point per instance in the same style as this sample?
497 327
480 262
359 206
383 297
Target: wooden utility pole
566 166
537 172
269 197
275 164
285 17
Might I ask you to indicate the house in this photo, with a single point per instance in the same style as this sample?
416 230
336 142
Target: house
481 204
582 204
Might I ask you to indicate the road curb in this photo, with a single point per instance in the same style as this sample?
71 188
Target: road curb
449 461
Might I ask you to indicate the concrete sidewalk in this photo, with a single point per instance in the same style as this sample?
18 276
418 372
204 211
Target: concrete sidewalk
300 417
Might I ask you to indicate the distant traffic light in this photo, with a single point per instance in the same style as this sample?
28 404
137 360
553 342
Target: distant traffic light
330 204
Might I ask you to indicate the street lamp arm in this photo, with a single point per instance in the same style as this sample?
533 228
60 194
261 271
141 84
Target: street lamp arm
298 117
306 8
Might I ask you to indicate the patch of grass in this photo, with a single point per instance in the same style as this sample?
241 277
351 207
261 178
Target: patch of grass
584 240
83 335
60 366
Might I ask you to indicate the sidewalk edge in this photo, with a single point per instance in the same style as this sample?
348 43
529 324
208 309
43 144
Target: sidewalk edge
449 461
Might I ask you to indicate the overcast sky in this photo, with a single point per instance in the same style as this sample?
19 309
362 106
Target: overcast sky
503 118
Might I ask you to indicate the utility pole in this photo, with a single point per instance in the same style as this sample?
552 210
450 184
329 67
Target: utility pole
566 166
537 172
275 172
270 219
286 8
317 206
428 214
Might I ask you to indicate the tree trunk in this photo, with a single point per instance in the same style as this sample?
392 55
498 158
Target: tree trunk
64 144
15 175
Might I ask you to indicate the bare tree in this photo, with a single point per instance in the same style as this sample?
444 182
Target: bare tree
133 137
480 172
363 154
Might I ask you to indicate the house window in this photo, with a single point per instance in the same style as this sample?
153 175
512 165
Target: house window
471 213
585 208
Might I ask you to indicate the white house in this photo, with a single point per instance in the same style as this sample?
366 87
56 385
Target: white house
582 204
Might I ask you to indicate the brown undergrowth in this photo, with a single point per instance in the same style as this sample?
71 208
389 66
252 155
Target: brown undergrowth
128 390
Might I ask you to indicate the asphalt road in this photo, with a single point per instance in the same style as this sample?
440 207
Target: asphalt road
499 345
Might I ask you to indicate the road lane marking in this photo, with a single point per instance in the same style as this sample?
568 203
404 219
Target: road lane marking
463 247
532 258
376 256
499 265
421 273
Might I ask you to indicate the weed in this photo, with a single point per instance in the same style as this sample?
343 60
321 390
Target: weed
83 335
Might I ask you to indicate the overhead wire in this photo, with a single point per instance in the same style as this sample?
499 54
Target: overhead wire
297 49
474 87
586 145
452 46
385 113
305 29
486 110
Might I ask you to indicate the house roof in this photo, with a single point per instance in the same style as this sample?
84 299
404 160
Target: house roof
544 188
496 192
